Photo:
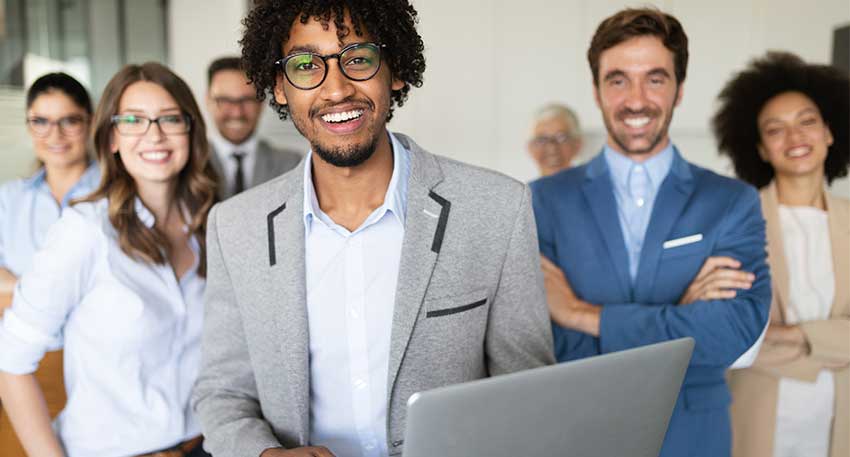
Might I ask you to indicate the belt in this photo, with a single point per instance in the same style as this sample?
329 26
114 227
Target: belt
178 450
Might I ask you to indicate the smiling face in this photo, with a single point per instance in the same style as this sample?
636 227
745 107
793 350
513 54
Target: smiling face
61 147
553 144
344 120
232 103
794 137
153 158
637 93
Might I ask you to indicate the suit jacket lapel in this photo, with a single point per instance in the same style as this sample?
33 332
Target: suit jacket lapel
775 248
263 165
425 222
839 235
285 270
599 193
672 197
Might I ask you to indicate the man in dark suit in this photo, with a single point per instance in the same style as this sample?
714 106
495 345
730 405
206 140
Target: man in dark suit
241 159
641 246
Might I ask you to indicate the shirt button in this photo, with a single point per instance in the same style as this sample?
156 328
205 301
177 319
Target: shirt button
640 202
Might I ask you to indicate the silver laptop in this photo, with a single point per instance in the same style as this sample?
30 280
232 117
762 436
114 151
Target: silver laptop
612 405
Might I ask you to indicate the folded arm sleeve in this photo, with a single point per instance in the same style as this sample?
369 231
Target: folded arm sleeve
519 336
722 329
225 397
568 344
47 293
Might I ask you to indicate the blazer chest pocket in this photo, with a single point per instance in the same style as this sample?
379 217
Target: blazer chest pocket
695 248
456 304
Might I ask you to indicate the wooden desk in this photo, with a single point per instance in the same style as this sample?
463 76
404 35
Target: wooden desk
50 377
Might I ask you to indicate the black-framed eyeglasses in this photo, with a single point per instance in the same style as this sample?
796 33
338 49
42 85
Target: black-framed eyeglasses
70 126
557 140
307 70
169 124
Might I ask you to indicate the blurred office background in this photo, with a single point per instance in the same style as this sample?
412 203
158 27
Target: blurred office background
491 63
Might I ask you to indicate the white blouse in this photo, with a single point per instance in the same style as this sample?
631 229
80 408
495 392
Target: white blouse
131 332
805 409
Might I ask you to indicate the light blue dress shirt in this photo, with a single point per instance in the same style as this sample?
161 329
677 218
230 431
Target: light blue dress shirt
635 188
27 210
351 281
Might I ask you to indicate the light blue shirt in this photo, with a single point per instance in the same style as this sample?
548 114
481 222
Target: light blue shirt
351 279
635 211
27 210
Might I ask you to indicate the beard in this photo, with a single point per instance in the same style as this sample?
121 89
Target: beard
348 156
622 139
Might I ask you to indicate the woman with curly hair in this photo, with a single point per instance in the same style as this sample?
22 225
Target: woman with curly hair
119 280
784 123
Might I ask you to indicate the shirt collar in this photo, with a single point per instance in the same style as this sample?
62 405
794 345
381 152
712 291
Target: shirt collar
224 148
657 166
37 179
148 219
87 183
395 200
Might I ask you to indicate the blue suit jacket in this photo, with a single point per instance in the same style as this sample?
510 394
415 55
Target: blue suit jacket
579 230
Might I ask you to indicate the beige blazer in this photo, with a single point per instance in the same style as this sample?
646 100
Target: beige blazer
755 389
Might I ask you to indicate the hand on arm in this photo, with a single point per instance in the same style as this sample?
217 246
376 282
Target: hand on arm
718 279
312 451
24 403
566 309
7 286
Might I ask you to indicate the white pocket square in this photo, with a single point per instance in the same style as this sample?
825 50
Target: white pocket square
682 241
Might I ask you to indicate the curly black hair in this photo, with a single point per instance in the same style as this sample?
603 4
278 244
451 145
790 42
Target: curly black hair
390 22
735 123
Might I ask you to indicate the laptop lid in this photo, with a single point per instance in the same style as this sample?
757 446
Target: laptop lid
617 404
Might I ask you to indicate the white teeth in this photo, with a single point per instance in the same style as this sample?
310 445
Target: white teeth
799 151
637 121
343 116
154 155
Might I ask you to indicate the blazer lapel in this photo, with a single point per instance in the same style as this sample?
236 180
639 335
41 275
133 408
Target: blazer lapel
263 165
428 213
285 270
599 193
775 248
839 235
672 197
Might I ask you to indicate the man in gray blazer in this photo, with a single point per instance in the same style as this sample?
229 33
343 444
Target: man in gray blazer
241 159
372 271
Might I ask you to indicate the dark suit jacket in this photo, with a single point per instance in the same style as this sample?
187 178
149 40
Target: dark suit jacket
270 163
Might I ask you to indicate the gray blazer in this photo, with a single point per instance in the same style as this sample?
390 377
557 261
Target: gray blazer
469 303
270 164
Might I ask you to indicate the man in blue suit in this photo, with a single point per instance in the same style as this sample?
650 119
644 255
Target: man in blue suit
640 246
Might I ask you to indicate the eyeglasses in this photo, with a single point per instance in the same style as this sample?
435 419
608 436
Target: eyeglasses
307 70
70 126
557 140
227 102
169 124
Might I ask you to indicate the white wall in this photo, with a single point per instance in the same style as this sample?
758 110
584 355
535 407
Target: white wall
475 106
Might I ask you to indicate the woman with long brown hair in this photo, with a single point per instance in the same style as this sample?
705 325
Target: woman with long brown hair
120 280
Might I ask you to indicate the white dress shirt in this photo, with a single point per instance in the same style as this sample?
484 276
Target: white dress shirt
224 152
351 282
804 410
131 335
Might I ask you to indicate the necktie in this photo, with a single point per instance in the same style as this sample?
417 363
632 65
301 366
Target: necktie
239 176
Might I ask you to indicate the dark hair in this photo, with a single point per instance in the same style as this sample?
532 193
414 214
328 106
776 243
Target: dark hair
735 123
63 83
195 184
632 23
390 22
221 64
